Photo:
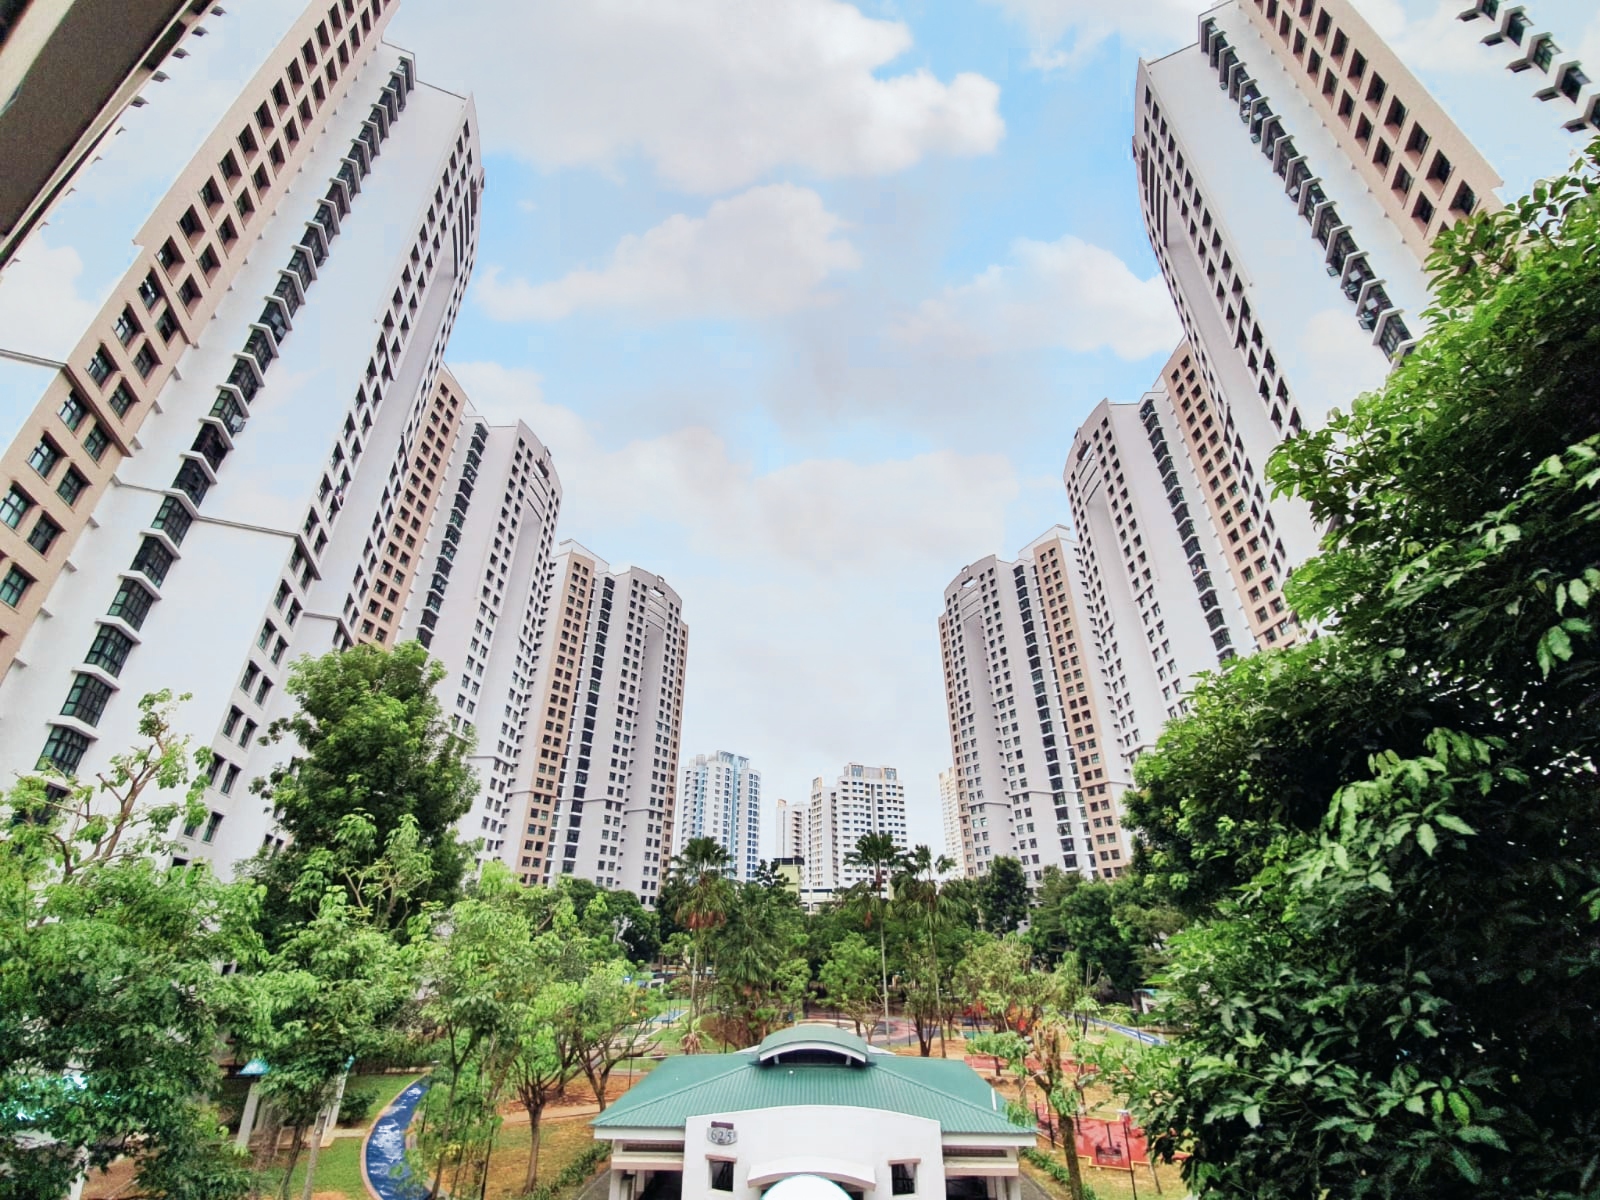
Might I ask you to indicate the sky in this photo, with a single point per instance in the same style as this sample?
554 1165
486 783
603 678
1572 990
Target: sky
807 300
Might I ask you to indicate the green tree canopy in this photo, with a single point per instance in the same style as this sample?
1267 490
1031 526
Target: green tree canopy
369 740
110 999
1390 834
1003 896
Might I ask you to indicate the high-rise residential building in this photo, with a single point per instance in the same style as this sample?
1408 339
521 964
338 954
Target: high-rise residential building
721 800
1017 789
859 801
487 566
1293 172
1073 620
390 588
68 71
950 817
791 828
1151 561
598 800
293 218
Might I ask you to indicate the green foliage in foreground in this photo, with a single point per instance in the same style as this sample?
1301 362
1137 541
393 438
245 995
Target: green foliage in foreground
1390 835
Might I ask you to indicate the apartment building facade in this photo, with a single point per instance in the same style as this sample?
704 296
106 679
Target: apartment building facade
824 829
271 289
1015 780
480 602
721 799
1293 172
950 819
595 793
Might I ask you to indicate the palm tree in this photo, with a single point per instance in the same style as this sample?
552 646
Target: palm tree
878 851
920 881
702 867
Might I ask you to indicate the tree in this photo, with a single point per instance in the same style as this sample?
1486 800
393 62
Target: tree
702 904
332 990
1389 835
849 975
370 740
878 852
918 887
759 955
110 1001
1003 896
614 1020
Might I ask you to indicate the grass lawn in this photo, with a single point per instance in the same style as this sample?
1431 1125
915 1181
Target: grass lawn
1113 1185
560 1142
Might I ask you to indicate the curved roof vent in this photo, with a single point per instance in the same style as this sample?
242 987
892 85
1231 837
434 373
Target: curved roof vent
812 1044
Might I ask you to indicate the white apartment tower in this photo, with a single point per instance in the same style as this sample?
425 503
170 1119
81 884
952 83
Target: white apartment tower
1293 172
595 792
1017 788
859 801
1150 564
480 603
205 472
721 799
950 818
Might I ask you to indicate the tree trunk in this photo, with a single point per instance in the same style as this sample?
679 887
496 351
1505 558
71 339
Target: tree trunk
317 1130
1069 1139
535 1111
294 1158
694 974
883 962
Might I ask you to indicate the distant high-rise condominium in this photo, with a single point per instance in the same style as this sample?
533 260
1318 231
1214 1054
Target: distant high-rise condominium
825 829
291 219
950 816
68 70
1012 683
594 794
721 800
1293 172
479 601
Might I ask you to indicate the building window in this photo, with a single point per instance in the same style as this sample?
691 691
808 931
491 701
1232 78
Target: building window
72 411
96 441
167 325
150 290
208 262
15 506
168 255
173 519
1466 200
121 400
145 361
1572 82
190 225
230 778
126 327
44 535
109 650
132 603
87 699
46 455
903 1179
211 195
15 586
1417 143
71 486
153 561
212 823
63 750
99 366
721 1176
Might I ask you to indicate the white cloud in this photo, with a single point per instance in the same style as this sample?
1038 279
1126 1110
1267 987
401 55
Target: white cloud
760 253
716 93
1064 32
817 514
1068 294
39 303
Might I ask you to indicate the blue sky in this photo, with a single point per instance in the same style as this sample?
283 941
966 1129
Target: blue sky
807 300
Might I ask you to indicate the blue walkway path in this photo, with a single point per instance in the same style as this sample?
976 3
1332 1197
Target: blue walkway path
388 1174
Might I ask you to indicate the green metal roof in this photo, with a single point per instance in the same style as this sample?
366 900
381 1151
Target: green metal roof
685 1086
